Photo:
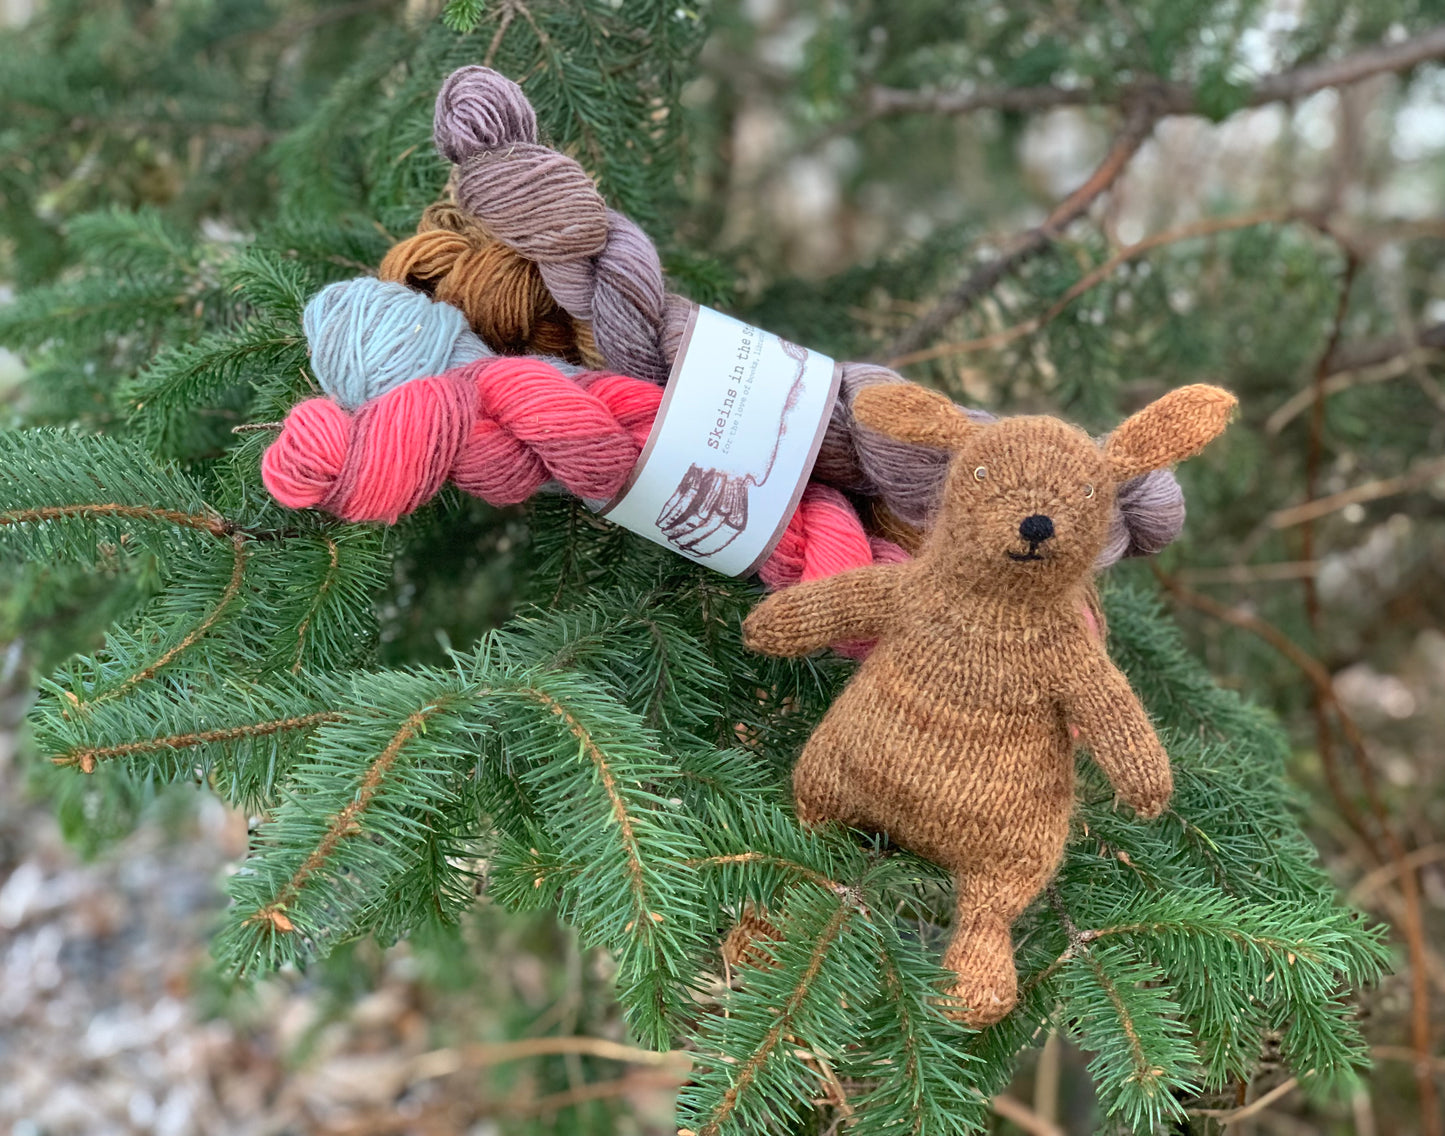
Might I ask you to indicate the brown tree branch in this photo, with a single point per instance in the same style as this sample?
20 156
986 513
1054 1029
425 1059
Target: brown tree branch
1021 1116
884 102
1144 103
1317 507
1173 98
1097 276
1139 120
1234 1115
1393 850
481 1055
1364 375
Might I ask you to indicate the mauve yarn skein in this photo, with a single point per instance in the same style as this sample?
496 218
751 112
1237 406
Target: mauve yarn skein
500 429
602 268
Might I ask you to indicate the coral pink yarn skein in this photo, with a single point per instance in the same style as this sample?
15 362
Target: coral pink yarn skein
502 428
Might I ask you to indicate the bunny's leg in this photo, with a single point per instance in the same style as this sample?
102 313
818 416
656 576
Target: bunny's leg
990 897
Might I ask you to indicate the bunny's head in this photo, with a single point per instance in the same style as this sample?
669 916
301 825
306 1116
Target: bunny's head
1027 504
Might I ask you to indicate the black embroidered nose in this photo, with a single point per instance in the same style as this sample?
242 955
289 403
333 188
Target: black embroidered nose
1036 529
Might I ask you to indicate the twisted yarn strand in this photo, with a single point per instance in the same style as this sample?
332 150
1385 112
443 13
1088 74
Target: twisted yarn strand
453 259
602 268
500 429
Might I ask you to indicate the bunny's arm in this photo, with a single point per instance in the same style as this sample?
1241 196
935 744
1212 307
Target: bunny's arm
852 605
1113 724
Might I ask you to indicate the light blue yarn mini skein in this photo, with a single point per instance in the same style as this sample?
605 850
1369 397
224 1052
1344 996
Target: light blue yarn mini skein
369 336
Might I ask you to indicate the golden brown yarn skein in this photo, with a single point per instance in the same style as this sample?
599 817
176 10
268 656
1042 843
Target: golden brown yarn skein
954 735
454 259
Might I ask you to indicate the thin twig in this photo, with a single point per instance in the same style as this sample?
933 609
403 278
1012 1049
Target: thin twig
1173 98
1343 380
1278 571
483 1055
1140 116
1312 510
594 1090
1405 1053
1352 356
1373 881
1019 1114
1144 104
1234 1115
1095 277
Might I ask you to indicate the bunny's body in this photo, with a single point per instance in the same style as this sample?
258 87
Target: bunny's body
953 738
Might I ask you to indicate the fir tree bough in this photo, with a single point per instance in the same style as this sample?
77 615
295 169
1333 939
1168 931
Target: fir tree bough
552 711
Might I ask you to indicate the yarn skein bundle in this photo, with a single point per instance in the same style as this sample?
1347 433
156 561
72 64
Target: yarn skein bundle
603 269
500 429
453 259
368 336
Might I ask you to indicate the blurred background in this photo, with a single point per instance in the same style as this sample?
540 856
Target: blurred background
1293 251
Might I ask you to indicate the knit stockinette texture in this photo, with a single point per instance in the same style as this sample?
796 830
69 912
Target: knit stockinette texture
953 738
603 269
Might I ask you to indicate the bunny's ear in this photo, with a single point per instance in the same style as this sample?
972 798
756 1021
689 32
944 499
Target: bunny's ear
1169 430
911 413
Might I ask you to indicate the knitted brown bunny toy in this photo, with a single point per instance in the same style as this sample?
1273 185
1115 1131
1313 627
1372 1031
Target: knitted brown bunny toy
953 737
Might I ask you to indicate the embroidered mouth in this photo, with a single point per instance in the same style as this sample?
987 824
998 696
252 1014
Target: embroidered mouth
1031 554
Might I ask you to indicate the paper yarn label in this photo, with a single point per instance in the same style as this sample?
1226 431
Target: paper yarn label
734 442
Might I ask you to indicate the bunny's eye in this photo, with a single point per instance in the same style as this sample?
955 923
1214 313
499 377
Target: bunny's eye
1088 491
980 474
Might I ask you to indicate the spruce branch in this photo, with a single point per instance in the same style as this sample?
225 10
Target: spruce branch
802 870
356 816
333 552
202 628
922 1079
239 737
621 815
86 758
346 823
202 522
163 399
1142 1057
741 1081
